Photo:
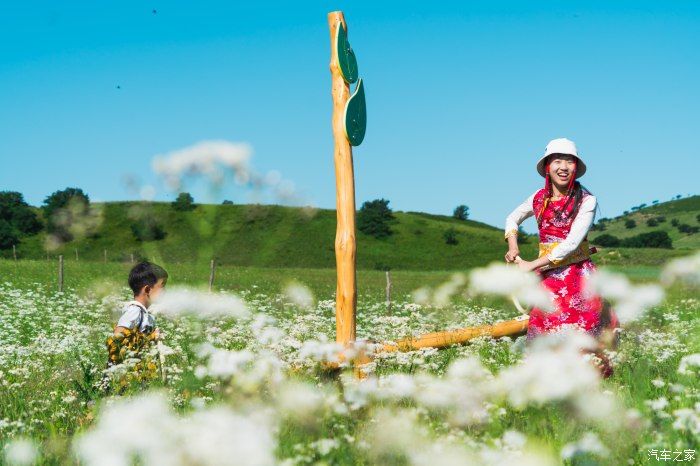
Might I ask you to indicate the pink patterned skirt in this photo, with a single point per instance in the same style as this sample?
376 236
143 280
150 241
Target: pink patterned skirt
566 286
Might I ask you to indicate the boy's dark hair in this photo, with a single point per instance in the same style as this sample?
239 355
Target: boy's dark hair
145 274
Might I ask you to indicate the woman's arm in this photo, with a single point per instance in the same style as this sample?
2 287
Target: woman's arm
579 229
513 221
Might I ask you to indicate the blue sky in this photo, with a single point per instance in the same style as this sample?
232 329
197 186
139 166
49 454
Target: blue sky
462 97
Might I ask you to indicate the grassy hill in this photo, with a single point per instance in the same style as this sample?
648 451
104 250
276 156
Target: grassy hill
685 211
277 236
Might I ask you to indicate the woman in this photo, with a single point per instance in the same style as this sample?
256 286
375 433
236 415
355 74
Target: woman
564 211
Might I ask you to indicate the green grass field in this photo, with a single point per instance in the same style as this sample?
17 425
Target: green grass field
52 352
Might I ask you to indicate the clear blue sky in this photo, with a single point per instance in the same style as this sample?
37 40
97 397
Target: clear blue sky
462 96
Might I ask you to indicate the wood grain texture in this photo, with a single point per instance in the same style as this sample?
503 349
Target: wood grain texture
345 246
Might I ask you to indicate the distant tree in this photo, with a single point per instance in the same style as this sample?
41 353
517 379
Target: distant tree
697 217
62 208
678 196
450 236
630 223
227 202
661 219
183 202
607 240
461 212
655 201
652 222
148 229
641 206
685 228
625 212
8 235
374 218
675 222
652 239
20 216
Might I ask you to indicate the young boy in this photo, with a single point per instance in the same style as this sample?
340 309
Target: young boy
146 280
136 328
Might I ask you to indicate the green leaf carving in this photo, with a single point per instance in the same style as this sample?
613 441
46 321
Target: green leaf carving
346 56
356 115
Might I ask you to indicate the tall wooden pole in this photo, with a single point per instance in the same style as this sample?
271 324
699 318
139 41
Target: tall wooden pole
346 291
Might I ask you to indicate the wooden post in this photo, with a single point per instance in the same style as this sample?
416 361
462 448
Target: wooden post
14 251
132 257
76 254
105 256
346 290
60 272
388 291
212 267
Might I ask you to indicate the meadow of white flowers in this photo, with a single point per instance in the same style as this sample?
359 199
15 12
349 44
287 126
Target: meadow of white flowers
246 383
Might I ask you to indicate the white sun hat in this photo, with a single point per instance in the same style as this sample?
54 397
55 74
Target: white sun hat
562 146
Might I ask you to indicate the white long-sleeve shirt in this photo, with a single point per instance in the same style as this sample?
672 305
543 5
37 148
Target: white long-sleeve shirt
579 227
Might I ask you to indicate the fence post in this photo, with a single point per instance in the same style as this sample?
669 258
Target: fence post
132 257
105 254
76 254
14 251
212 268
388 291
60 272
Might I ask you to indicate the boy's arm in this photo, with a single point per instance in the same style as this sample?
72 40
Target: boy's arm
118 329
128 320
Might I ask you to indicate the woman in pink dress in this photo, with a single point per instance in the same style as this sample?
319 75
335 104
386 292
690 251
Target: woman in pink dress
564 211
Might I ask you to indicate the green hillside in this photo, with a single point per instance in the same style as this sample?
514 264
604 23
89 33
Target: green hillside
276 236
683 211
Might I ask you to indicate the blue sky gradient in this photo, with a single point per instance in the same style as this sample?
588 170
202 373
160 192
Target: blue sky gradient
462 97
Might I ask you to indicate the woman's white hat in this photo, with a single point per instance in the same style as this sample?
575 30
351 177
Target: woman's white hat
561 146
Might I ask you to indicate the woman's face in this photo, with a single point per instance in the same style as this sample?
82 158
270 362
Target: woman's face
561 169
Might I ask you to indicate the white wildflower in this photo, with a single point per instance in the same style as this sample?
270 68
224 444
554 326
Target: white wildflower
509 280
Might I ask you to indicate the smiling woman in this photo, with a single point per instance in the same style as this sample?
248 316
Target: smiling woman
564 211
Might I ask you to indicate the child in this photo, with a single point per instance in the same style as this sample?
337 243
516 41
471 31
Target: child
564 211
136 327
146 280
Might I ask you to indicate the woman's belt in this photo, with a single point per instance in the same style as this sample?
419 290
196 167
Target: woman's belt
582 252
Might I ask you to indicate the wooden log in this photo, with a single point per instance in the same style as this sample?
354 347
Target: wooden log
438 340
345 247
60 272
452 337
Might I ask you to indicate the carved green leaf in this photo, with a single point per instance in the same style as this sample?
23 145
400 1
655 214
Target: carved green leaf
346 56
356 115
